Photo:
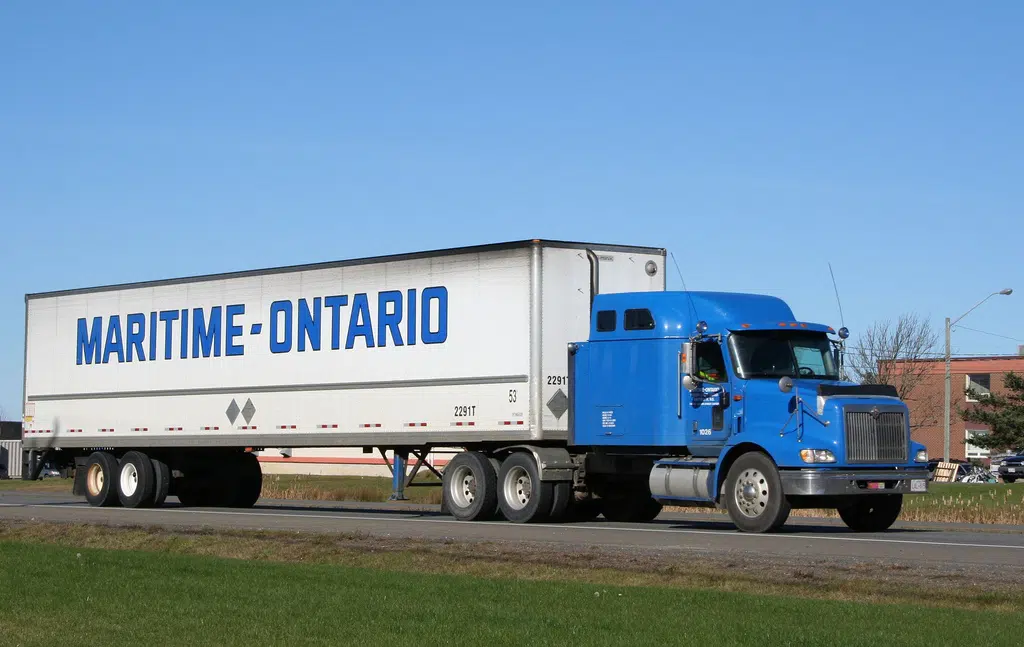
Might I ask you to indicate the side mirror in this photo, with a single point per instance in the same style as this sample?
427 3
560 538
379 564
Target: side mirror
690 359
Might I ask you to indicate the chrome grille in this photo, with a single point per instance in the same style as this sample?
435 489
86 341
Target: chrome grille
876 437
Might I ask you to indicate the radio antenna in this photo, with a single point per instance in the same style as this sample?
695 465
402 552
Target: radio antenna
685 289
842 322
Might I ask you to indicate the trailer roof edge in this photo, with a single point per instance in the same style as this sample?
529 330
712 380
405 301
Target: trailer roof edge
284 269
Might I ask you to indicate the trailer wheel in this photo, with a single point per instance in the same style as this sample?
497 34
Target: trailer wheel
871 512
135 480
161 482
753 493
249 483
522 496
469 487
100 480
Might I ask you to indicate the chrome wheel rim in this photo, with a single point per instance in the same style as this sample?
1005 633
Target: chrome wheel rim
463 487
752 493
129 479
518 488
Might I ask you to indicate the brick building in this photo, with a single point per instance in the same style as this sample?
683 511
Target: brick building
926 400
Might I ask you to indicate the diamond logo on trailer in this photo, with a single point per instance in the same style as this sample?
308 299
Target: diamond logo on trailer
558 404
248 411
232 411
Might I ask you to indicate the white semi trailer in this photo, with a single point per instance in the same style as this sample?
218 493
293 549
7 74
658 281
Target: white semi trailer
168 387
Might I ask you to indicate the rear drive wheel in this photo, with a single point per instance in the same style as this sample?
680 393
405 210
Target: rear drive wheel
630 501
522 496
586 508
560 500
753 493
647 509
872 512
101 471
469 487
135 482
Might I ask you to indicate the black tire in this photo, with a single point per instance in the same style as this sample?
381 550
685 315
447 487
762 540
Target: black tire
753 494
189 493
249 481
161 482
135 480
586 509
1012 479
469 487
101 471
647 509
872 512
560 500
618 507
522 496
631 507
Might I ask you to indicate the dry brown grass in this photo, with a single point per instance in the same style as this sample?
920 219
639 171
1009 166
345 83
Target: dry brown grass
803 577
996 503
343 488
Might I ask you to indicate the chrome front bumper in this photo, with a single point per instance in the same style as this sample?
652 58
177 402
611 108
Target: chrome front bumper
834 483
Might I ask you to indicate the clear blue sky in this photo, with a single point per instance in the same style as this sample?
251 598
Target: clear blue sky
758 141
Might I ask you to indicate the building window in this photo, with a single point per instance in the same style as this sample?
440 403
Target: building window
605 321
974 451
639 319
980 384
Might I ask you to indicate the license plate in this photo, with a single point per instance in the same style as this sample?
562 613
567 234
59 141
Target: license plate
918 485
1012 469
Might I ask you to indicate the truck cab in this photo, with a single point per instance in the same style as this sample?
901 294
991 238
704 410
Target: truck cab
740 405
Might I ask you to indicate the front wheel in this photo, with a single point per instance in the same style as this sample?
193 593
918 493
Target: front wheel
754 496
871 512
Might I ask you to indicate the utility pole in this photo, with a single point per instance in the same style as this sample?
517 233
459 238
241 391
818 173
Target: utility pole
946 405
945 409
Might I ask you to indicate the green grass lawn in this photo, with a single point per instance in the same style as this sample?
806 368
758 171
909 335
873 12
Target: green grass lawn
54 593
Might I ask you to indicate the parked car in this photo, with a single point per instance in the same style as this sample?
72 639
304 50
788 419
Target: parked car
1011 468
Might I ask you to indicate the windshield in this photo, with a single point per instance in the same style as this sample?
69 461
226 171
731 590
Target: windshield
793 353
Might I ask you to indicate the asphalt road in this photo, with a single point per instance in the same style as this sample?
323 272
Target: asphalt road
924 544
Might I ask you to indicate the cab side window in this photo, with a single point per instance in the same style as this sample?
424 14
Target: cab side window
710 362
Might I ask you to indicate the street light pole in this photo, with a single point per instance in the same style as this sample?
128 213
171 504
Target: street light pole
946 407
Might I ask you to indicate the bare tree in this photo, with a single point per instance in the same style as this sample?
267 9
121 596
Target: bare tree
899 354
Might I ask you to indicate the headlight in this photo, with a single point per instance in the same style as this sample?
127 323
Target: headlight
922 456
817 456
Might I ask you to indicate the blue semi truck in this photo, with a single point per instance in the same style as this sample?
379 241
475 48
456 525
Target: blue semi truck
727 400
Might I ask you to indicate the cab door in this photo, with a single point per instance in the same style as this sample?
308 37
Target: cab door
705 409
